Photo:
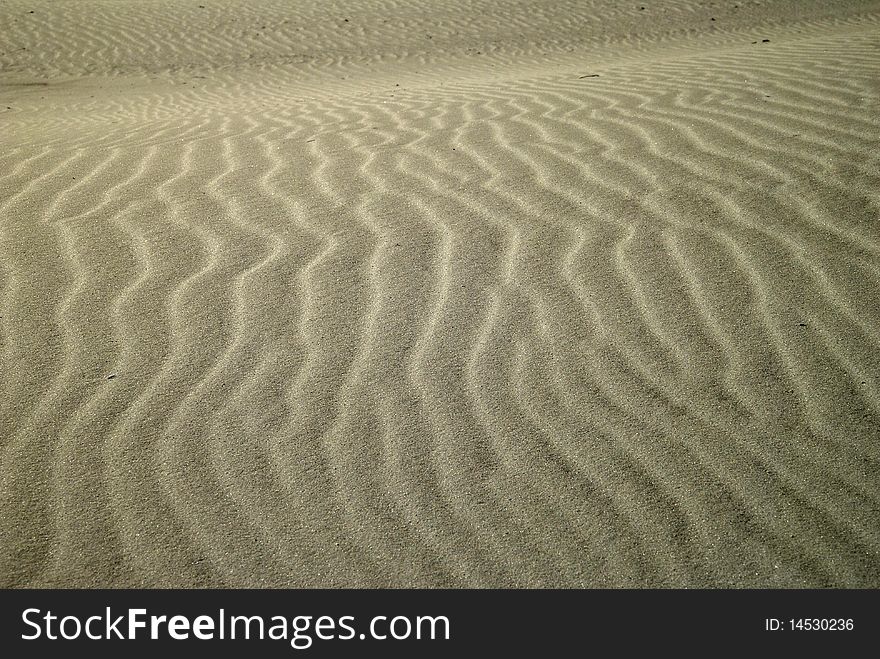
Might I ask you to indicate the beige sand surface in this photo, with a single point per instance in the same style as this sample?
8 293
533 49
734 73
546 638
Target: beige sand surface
398 293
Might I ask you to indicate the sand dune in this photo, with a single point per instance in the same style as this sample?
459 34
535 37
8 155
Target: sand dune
397 293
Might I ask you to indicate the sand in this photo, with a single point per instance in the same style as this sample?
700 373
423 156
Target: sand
393 293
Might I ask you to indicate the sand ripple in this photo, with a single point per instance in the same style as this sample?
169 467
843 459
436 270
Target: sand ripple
571 296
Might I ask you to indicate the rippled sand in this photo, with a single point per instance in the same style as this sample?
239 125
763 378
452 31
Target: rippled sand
393 293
